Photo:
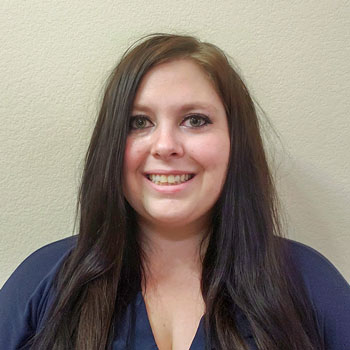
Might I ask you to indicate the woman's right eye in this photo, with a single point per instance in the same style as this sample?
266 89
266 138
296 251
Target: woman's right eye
140 122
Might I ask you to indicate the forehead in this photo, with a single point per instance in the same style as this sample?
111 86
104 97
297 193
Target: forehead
181 80
184 68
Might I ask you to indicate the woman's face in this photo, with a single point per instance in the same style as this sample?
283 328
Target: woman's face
177 150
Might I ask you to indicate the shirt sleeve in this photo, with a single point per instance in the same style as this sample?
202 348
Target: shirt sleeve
329 293
26 296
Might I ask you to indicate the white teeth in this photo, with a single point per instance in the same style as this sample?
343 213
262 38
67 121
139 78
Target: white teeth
169 179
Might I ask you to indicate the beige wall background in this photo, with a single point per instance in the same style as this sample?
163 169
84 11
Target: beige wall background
56 55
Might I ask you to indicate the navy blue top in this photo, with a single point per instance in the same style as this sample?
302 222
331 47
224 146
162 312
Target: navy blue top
27 295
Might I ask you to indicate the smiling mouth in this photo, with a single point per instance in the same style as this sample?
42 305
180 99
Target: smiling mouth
169 180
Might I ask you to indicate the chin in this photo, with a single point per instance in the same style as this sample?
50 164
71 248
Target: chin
173 220
164 217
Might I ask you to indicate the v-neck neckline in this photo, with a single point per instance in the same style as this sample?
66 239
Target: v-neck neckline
198 342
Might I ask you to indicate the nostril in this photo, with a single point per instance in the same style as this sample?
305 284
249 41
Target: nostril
167 146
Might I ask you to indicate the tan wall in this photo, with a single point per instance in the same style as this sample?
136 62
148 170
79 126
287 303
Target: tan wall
55 56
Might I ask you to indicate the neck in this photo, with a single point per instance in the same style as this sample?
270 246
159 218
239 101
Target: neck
173 252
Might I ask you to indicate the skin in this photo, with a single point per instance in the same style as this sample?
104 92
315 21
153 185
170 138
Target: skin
174 218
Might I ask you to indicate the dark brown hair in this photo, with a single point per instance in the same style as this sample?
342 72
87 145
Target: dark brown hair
246 269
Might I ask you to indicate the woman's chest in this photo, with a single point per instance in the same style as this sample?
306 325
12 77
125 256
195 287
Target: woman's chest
134 330
174 316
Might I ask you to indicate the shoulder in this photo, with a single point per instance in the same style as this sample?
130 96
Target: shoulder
27 294
39 264
315 268
328 291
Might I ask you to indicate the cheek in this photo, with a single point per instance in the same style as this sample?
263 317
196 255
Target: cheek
133 159
213 153
133 156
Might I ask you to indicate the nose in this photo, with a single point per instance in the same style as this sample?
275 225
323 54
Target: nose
167 143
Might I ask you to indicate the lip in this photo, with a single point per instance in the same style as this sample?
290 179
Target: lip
168 172
169 189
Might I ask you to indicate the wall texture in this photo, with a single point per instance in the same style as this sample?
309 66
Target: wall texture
56 55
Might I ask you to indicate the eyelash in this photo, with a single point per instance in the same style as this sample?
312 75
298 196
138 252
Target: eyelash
205 121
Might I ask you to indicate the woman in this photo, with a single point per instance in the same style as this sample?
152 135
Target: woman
178 243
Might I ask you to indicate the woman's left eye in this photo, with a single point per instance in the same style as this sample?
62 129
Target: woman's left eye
196 121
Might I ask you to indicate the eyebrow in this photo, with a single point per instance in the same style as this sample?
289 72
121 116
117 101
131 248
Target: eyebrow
183 108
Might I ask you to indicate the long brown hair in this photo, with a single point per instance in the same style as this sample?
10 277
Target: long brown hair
246 269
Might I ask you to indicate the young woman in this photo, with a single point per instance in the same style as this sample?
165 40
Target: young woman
179 243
